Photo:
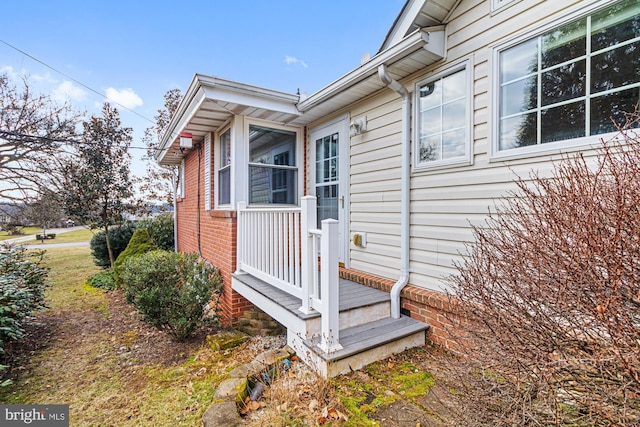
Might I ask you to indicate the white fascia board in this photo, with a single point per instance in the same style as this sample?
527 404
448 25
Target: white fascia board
223 91
224 94
251 92
191 101
403 22
430 39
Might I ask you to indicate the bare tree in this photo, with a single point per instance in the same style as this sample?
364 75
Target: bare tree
46 211
33 131
550 295
160 181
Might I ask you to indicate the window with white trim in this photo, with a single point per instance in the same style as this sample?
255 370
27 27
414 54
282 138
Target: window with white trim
224 168
442 119
571 82
207 171
273 171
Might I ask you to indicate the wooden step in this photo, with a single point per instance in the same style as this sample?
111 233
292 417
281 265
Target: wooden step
369 343
358 303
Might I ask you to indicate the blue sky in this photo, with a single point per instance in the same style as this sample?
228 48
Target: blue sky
135 51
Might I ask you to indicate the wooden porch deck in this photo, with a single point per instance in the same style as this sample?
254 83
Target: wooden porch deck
352 295
368 333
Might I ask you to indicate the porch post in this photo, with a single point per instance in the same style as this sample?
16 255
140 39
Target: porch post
240 231
329 280
309 258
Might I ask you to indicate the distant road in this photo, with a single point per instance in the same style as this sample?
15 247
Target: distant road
32 237
58 245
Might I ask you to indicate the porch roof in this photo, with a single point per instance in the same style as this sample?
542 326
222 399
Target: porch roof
210 101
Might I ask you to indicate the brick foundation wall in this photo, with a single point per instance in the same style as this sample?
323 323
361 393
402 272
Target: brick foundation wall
431 307
212 234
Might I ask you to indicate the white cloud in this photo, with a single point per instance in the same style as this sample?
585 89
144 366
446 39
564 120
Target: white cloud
67 91
45 78
10 72
292 60
125 97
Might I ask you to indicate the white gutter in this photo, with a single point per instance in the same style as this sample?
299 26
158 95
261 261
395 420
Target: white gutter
405 185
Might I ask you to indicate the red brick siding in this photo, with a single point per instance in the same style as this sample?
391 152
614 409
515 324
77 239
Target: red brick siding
424 305
210 233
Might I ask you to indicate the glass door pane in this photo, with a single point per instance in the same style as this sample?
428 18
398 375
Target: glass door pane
327 177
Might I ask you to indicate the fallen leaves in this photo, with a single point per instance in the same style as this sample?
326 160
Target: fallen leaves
251 406
330 415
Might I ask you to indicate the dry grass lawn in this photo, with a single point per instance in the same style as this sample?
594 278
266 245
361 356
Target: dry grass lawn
91 351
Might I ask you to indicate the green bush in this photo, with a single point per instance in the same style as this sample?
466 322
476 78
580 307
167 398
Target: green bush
170 289
119 237
23 281
161 230
139 244
103 280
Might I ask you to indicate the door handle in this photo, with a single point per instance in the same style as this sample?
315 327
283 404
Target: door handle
342 201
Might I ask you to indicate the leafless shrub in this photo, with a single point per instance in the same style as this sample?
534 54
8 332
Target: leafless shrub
549 295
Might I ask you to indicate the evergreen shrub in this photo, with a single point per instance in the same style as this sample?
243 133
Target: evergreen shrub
170 289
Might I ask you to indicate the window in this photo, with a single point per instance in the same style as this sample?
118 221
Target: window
207 171
443 119
273 172
570 82
224 168
327 176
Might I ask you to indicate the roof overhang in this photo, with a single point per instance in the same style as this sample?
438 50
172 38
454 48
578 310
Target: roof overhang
210 101
417 14
418 50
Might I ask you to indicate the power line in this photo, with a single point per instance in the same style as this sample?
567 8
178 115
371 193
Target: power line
16 135
75 80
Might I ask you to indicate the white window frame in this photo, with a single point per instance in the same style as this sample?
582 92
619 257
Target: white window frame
216 157
467 158
207 171
299 147
549 148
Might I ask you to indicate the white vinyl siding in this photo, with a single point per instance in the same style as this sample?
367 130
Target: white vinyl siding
444 201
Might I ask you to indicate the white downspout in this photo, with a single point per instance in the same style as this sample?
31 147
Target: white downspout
405 185
174 183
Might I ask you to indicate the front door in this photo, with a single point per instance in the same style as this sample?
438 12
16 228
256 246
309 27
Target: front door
329 148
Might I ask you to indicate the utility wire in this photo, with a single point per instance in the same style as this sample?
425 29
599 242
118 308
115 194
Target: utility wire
15 135
75 80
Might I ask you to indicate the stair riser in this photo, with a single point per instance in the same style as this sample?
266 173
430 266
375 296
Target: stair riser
356 361
354 317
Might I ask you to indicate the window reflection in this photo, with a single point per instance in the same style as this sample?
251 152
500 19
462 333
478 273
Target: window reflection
272 166
543 81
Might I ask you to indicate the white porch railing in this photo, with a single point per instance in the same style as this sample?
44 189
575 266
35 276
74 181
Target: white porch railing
280 247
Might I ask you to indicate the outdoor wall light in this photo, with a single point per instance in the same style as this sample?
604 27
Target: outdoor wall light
186 140
358 126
